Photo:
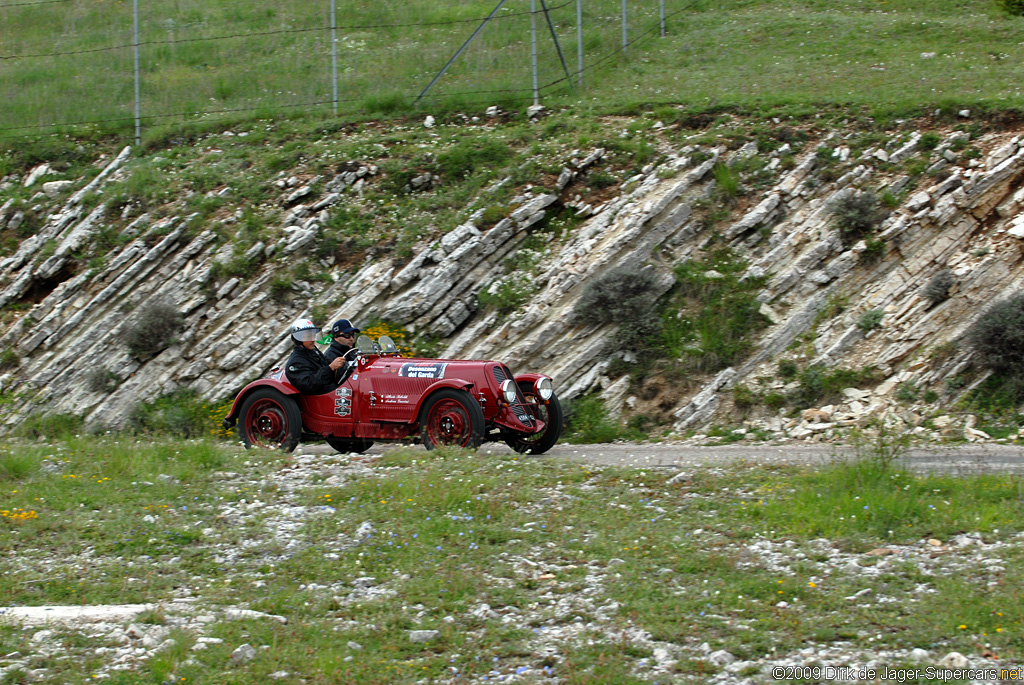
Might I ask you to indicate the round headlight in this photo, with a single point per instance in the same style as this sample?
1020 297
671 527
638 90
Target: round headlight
545 389
508 390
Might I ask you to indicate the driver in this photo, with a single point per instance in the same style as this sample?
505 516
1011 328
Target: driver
344 334
307 369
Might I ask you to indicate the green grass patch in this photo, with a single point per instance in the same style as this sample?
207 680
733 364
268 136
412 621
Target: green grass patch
422 540
712 315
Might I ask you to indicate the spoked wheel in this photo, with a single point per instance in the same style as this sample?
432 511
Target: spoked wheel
271 420
350 445
451 417
550 414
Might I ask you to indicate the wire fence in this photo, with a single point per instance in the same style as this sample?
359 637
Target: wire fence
109 64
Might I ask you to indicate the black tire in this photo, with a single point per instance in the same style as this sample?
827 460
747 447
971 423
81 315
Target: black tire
553 418
451 417
270 419
350 445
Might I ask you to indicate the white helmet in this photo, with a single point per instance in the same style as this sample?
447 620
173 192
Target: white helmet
305 330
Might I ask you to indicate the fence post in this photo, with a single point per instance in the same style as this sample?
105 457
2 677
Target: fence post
579 41
334 55
625 28
138 104
533 50
662 3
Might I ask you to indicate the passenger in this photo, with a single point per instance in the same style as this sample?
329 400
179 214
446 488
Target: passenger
307 369
344 334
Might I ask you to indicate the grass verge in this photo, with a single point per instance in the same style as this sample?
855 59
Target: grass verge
540 568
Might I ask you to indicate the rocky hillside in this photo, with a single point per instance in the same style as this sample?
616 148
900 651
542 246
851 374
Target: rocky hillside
951 214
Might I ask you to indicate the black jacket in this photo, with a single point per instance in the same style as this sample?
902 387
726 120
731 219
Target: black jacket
310 372
336 350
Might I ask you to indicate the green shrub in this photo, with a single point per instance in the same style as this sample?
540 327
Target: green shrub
280 287
873 250
937 289
743 398
511 294
49 426
181 414
601 179
1012 7
906 392
494 214
788 369
469 156
102 380
154 329
728 181
236 267
713 313
819 385
997 394
929 140
997 338
870 320
857 215
17 465
624 297
9 358
587 422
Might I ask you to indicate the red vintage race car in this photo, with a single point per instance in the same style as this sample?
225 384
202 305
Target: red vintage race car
385 397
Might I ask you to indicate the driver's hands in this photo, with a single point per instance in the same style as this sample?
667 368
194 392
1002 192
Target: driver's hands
337 363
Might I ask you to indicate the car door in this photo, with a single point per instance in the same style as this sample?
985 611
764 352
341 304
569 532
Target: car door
332 413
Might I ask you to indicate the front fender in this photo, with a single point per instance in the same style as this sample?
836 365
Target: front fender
453 383
275 382
532 379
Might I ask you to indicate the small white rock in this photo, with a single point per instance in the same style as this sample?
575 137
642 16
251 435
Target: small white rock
953 661
243 655
423 635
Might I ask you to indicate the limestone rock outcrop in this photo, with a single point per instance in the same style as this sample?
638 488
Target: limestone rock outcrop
968 217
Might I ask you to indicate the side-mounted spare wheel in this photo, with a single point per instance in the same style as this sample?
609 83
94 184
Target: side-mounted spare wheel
550 414
451 417
270 419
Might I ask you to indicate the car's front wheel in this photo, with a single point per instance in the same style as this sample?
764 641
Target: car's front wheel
270 419
451 417
550 414
350 445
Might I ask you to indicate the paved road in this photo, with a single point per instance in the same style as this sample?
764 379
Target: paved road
970 458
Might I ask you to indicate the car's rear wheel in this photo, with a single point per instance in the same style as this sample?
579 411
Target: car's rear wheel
550 414
350 445
451 417
270 419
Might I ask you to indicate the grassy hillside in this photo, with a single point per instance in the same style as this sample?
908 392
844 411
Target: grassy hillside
71 60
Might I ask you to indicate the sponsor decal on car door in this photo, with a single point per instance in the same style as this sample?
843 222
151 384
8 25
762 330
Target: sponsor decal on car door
431 370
